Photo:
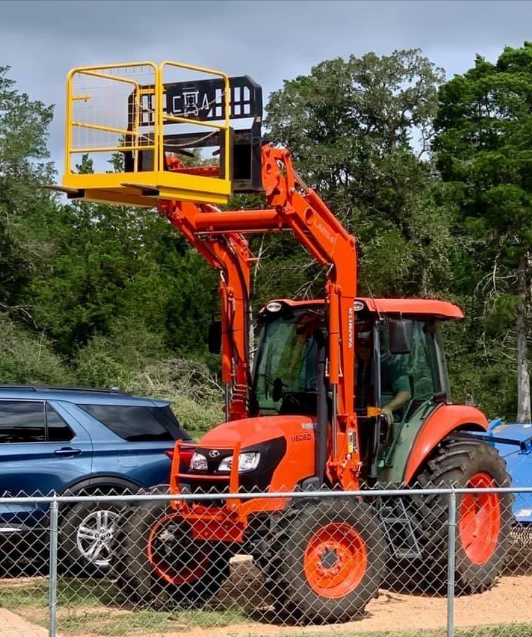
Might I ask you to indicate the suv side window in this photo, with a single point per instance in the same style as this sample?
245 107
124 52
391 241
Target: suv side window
56 428
21 421
136 423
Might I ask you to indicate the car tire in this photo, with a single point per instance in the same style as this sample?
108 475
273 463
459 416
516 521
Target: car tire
86 536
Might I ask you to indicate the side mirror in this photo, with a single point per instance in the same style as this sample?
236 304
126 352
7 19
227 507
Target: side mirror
214 339
401 336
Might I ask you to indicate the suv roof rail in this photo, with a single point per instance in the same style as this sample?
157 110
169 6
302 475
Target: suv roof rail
73 388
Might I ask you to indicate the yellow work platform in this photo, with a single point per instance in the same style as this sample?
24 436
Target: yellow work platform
118 116
141 189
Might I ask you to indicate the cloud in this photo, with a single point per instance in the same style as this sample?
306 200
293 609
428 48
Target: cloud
270 41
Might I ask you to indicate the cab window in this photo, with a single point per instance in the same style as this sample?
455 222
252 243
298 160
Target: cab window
416 372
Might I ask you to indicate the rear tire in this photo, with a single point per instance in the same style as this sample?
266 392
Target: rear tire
327 562
483 521
181 570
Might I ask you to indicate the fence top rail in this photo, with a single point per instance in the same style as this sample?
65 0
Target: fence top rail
147 497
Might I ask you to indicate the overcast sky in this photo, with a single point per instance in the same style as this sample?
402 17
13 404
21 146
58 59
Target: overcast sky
270 41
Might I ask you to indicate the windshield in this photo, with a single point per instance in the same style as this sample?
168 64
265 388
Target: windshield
287 359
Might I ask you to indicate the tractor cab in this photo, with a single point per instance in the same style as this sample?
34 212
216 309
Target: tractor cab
399 362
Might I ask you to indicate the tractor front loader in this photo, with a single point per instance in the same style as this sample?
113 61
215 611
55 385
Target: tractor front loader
320 408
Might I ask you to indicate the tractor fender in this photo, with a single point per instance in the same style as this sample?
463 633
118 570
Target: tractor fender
437 426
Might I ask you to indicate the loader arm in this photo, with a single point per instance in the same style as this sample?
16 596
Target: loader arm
294 206
230 255
324 237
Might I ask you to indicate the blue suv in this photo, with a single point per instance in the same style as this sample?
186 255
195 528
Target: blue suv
80 441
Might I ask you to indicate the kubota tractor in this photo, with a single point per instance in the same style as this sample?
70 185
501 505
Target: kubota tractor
345 392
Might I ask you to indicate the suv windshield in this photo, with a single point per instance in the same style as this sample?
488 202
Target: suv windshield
287 357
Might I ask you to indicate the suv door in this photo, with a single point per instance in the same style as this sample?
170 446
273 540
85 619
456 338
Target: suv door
39 454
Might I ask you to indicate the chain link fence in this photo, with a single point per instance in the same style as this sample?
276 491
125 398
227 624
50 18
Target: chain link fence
377 563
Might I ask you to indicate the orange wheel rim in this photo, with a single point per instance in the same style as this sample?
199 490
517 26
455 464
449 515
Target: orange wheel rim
184 565
479 520
335 560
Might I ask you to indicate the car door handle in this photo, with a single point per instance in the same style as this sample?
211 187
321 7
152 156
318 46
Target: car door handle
67 451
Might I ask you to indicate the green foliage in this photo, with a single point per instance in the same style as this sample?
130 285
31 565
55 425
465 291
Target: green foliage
23 203
197 417
28 358
484 149
484 153
114 262
189 290
190 385
480 366
113 360
350 125
358 129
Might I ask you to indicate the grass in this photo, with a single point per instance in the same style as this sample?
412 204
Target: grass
95 608
88 607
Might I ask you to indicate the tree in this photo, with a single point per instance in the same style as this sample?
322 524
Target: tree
359 130
484 151
114 264
24 205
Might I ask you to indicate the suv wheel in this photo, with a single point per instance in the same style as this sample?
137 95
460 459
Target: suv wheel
86 535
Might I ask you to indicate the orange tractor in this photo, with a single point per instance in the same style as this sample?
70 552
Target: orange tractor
345 392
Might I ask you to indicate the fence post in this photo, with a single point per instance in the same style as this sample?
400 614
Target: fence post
451 556
52 582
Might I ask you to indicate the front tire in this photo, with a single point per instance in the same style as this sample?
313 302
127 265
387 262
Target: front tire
159 564
328 562
483 520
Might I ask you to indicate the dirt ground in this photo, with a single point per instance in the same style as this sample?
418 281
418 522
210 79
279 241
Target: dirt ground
510 601
12 625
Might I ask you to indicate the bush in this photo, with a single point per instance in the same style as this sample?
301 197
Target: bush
29 358
196 418
114 360
194 390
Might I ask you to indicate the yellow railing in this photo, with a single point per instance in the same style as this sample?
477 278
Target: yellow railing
99 72
124 108
160 117
184 120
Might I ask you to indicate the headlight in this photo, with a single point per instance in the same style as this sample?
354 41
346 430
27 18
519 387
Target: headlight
246 462
198 462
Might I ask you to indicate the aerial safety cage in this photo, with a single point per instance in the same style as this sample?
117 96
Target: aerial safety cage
145 130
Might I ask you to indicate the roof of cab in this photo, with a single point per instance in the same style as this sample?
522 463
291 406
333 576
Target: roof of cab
443 310
415 307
